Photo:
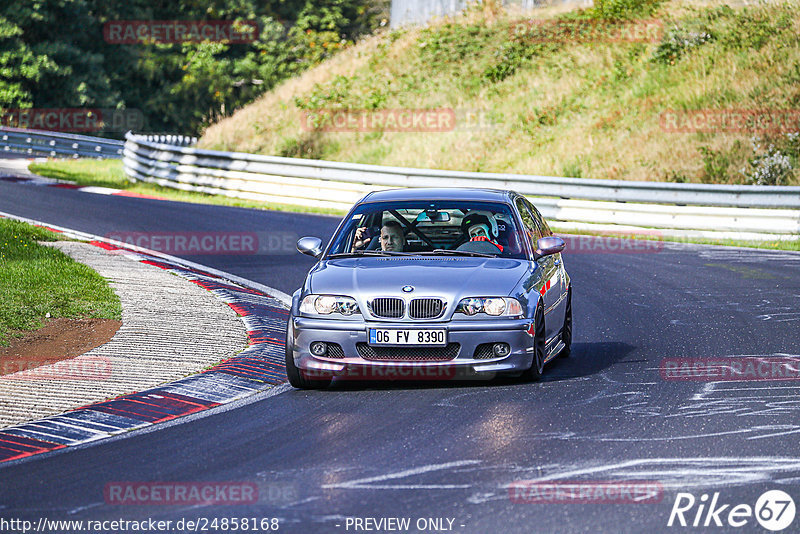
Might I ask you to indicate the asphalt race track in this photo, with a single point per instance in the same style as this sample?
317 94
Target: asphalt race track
449 452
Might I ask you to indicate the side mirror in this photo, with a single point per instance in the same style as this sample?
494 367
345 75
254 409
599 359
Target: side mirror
548 246
310 246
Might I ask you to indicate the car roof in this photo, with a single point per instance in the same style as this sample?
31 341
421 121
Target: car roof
442 193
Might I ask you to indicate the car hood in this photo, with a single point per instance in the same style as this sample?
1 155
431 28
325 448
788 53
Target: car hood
450 277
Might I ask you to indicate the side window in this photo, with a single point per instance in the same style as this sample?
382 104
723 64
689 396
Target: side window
547 230
528 222
541 223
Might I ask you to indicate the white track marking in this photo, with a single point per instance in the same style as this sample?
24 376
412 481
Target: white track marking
366 483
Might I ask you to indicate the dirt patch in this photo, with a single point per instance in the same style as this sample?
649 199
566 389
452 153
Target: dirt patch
59 339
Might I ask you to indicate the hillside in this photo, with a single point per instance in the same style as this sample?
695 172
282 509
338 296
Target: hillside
616 91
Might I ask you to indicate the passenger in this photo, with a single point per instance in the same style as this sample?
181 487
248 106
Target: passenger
392 238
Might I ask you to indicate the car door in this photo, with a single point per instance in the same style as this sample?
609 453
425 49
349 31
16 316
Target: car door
557 301
550 290
546 269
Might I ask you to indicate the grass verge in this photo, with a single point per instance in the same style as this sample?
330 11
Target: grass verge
109 173
36 280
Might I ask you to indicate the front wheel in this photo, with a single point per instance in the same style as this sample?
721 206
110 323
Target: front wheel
295 375
537 366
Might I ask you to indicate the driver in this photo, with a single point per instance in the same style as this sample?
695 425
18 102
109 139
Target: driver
481 226
392 237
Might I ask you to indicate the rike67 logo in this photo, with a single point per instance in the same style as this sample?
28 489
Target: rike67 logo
774 510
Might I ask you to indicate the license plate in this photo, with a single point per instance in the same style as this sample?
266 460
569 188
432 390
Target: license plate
429 337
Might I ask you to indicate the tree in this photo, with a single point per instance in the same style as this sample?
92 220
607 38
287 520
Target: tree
53 55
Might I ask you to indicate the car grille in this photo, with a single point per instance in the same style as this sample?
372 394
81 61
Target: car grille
335 351
388 307
408 354
484 351
425 308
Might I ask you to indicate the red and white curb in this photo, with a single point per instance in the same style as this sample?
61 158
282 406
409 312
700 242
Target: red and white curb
49 182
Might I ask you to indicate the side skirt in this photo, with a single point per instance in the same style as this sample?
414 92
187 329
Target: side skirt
553 347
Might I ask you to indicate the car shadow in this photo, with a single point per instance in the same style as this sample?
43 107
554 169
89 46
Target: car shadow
587 359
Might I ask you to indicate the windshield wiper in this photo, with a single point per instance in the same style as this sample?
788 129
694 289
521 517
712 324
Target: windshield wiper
460 253
357 253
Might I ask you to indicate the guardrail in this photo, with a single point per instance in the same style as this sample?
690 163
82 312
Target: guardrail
745 212
53 144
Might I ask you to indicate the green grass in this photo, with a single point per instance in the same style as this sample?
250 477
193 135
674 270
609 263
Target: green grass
36 280
87 172
109 173
588 107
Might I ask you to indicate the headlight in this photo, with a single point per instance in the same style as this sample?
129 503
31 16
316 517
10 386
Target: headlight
495 306
328 304
470 306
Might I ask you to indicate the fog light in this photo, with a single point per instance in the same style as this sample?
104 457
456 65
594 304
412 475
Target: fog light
501 349
318 348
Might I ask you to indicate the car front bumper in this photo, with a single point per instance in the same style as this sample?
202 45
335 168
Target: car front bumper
467 334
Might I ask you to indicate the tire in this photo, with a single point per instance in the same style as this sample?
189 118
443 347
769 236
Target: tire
566 330
295 375
537 365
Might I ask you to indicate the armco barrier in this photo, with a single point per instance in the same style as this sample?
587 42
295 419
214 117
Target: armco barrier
731 211
52 144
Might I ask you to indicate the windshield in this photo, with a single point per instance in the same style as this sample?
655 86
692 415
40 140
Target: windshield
430 227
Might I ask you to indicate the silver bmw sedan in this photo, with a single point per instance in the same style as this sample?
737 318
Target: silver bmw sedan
431 284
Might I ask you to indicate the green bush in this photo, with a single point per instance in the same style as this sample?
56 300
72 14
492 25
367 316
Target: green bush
573 168
746 28
623 9
453 43
773 162
677 42
715 165
506 61
308 146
